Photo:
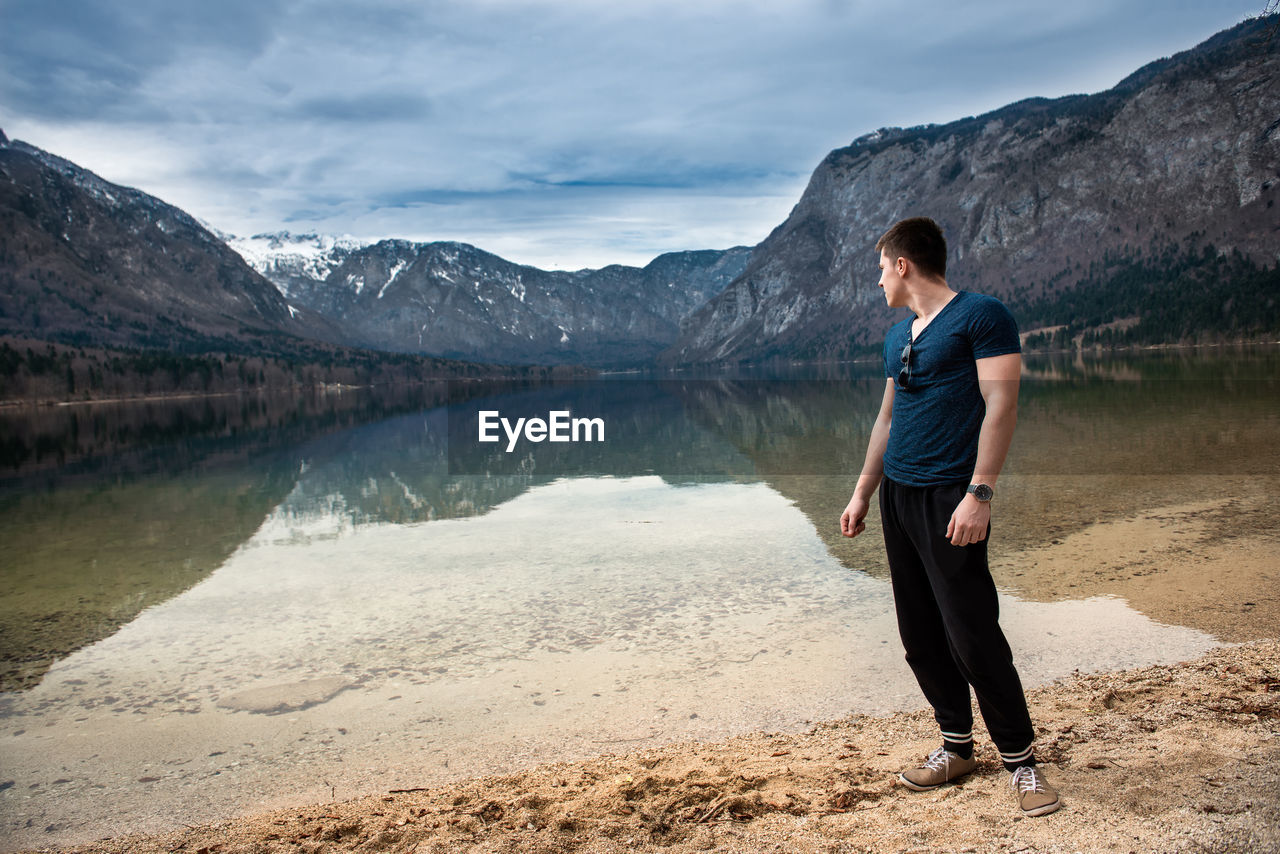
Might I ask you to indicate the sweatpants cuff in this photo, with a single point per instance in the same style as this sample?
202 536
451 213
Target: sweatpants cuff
1023 757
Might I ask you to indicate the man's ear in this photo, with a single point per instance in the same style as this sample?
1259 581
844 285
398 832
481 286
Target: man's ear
901 265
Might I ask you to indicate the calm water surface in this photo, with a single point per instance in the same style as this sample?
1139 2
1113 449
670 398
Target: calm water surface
227 605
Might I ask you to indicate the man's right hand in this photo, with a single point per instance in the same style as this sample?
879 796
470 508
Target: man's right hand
853 519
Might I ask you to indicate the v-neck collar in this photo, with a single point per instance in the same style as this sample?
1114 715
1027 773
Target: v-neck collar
914 336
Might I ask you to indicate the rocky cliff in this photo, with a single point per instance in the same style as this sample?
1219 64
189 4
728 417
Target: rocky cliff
1036 198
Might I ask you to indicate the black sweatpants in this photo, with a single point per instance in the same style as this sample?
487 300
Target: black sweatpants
948 617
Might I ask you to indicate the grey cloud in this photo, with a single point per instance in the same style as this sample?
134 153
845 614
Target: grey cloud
423 196
373 24
658 175
233 173
571 122
316 170
369 108
81 59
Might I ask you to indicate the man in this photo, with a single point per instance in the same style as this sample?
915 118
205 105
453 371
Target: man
936 450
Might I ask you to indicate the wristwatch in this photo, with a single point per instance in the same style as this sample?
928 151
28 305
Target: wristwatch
981 491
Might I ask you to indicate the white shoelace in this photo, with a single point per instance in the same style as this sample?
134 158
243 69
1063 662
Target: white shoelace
1025 779
939 759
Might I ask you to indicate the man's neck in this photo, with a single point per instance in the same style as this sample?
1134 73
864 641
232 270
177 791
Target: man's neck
929 297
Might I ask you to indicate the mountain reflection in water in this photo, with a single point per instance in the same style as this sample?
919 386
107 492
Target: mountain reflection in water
109 509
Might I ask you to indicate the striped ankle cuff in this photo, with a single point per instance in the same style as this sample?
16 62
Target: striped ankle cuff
1023 757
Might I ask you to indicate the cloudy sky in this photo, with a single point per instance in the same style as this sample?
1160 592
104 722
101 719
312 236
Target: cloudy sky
561 133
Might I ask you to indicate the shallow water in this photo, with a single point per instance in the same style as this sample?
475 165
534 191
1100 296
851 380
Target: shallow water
576 619
340 615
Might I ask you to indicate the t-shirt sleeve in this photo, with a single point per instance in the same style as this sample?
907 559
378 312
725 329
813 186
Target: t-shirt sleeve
993 331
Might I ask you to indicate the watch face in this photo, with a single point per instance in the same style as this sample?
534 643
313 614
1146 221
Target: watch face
982 492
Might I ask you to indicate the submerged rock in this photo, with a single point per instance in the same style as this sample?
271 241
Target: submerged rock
287 697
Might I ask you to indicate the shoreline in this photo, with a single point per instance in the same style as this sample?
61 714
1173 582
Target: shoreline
1167 757
264 391
1095 351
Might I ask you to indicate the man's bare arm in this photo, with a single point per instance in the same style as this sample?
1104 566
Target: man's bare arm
853 520
998 379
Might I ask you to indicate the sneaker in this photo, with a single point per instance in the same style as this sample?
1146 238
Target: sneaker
1035 795
942 766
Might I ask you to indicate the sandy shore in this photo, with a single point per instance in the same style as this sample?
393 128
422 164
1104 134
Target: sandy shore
1184 757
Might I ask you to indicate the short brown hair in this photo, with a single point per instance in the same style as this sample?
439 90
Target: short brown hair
920 241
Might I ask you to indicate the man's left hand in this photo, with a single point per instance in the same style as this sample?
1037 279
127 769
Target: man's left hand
969 522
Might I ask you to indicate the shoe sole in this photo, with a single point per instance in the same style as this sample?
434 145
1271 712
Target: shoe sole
1044 810
916 787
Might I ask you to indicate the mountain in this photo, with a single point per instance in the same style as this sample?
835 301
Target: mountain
1143 213
88 262
1045 203
454 300
293 261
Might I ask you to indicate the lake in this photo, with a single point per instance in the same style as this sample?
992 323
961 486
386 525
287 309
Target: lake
217 606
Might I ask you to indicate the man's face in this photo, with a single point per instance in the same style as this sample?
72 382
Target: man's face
895 291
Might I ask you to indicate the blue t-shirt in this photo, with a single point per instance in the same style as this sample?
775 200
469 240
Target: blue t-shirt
933 439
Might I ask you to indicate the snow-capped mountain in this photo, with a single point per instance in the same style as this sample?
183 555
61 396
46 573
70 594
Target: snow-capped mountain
455 300
446 298
291 259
